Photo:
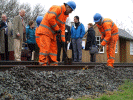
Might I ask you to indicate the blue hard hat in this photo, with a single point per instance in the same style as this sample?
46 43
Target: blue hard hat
97 17
72 4
38 20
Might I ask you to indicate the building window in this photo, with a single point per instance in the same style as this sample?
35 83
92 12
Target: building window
131 48
98 38
116 50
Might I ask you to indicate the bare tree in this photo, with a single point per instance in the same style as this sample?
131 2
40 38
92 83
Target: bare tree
121 25
38 11
9 7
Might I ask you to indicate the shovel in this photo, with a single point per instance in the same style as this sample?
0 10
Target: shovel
67 61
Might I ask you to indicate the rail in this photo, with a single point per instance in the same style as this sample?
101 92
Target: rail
6 65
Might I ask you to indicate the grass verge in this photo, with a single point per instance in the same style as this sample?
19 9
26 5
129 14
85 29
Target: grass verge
125 92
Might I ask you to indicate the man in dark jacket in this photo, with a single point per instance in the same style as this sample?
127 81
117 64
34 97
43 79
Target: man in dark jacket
59 44
91 41
6 38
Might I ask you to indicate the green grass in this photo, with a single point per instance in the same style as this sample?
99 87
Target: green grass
125 93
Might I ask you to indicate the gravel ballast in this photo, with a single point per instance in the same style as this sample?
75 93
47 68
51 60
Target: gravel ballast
21 83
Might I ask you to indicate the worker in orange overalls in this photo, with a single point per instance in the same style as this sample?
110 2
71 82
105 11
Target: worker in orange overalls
109 32
53 24
38 21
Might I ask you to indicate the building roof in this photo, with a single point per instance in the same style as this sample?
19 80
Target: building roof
124 34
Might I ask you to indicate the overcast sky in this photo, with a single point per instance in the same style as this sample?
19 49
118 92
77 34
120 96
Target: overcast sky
120 11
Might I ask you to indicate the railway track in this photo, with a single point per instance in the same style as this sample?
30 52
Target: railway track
6 65
70 82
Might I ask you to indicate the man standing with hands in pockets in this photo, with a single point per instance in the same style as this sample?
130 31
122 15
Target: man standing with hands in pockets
18 24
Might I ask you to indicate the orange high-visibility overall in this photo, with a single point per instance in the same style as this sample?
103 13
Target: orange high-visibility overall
110 36
53 20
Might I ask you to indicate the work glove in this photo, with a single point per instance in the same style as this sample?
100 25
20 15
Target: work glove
101 40
58 36
58 32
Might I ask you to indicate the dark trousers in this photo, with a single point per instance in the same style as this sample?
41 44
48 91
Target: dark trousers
59 50
64 53
77 49
5 56
32 48
93 57
71 47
